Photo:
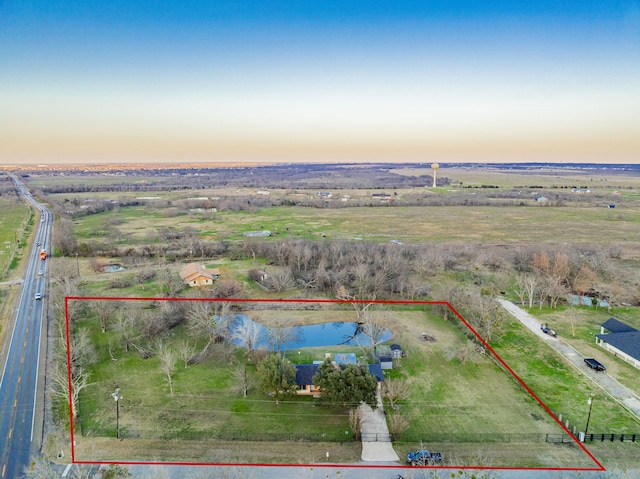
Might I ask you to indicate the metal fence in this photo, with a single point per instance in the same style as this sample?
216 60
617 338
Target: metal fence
443 438
375 437
203 435
612 437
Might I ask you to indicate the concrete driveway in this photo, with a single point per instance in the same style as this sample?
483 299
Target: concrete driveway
375 423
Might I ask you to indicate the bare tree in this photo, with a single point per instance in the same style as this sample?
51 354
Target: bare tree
63 237
243 380
573 315
484 313
203 318
279 279
398 423
373 326
167 357
359 306
556 290
279 335
185 351
355 422
82 351
429 260
446 292
104 310
60 384
584 280
125 325
525 288
170 283
248 334
394 390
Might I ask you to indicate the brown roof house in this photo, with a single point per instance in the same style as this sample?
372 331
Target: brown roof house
195 274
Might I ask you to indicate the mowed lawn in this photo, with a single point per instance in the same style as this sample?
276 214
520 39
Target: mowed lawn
487 224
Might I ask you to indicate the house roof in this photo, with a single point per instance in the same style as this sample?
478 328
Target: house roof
376 370
615 326
628 342
305 373
622 337
194 270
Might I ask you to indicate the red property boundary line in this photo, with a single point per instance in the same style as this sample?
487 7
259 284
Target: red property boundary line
599 467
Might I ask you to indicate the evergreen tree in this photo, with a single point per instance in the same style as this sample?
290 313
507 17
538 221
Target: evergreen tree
277 377
346 385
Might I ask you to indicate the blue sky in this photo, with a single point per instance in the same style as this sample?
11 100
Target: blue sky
319 81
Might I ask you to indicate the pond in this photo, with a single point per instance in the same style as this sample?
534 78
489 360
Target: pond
112 268
324 334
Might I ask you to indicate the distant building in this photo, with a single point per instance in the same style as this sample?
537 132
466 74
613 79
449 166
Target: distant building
384 196
256 234
195 274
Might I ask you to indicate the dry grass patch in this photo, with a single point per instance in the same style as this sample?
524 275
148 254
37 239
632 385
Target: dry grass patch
232 452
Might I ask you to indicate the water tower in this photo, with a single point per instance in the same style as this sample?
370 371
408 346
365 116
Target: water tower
434 167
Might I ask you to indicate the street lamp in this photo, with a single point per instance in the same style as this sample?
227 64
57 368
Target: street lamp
586 428
116 396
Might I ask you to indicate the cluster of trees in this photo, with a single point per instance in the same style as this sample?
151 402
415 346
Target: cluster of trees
547 277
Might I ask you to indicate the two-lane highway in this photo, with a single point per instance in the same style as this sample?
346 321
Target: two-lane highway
19 382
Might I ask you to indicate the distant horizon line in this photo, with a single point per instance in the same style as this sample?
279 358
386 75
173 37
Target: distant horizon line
166 164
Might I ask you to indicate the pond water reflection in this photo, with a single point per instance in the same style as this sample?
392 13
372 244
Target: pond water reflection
325 334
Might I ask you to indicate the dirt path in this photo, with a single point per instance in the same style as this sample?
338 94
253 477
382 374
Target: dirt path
374 425
621 394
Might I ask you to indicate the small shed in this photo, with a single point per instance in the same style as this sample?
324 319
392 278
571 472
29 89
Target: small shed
386 362
396 351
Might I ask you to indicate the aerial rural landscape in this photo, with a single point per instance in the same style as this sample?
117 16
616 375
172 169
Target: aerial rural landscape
179 299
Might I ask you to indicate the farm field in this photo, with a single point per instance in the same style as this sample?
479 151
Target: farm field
469 224
13 222
449 398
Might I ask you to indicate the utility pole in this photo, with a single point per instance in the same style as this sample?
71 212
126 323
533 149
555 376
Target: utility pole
586 428
117 397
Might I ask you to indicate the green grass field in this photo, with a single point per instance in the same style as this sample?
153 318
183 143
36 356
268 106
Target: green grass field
13 222
508 225
448 398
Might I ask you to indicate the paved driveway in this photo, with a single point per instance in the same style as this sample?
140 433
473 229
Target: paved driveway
373 423
621 394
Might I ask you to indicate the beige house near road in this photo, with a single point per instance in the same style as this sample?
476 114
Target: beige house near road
195 274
